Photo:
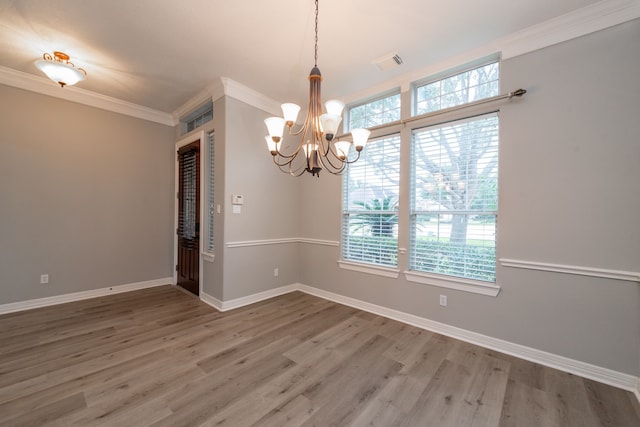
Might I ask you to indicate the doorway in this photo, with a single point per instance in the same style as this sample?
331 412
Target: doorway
188 231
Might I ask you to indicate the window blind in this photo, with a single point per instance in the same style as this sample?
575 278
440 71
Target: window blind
188 226
374 113
211 210
370 204
462 88
454 198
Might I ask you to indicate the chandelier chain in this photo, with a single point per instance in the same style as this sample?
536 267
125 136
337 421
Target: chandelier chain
315 62
318 148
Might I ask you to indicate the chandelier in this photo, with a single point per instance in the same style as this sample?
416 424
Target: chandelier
60 70
318 147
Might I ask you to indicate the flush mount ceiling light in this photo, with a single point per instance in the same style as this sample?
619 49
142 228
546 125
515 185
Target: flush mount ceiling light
317 149
60 70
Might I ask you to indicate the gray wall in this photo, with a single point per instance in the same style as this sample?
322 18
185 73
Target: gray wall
568 195
270 209
86 196
213 272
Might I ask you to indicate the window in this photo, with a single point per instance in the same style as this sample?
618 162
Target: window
200 120
452 183
210 205
454 198
463 88
370 204
197 118
374 113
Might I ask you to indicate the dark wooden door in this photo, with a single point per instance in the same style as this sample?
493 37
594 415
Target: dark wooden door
188 266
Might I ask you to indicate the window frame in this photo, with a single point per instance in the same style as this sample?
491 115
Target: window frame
208 247
196 119
408 122
469 66
442 279
354 264
388 94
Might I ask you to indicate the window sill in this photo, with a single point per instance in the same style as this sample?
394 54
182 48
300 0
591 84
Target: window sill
377 270
209 257
459 284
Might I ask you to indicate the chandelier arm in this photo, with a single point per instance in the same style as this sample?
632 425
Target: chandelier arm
347 161
330 159
287 156
302 128
343 162
284 163
332 148
320 151
287 167
297 172
294 154
328 165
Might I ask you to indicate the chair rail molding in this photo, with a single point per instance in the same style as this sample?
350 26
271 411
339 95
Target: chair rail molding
630 276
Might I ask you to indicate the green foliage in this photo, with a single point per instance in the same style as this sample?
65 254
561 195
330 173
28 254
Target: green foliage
380 224
374 250
469 261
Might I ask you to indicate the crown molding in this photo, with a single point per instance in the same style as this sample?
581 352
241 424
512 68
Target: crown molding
587 20
250 96
44 86
194 102
225 86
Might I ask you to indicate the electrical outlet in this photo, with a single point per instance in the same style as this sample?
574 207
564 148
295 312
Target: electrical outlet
443 300
44 278
276 272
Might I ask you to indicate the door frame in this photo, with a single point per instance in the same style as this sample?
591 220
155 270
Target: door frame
197 136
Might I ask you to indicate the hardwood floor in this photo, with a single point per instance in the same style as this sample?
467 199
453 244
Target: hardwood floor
160 357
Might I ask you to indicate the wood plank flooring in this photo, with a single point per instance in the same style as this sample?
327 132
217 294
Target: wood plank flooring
160 357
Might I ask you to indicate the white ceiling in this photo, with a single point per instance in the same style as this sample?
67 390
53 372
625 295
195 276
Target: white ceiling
160 53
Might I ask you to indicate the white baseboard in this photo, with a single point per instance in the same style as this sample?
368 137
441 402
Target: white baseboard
212 301
78 296
586 370
240 302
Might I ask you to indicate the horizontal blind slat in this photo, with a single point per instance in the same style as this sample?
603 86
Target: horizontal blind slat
453 212
370 201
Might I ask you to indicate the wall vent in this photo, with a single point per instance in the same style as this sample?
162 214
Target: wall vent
387 61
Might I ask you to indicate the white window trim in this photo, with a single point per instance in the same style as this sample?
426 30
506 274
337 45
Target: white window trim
460 283
374 269
205 253
452 282
360 265
346 124
477 63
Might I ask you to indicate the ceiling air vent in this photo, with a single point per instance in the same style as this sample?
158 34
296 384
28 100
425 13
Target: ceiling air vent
387 61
